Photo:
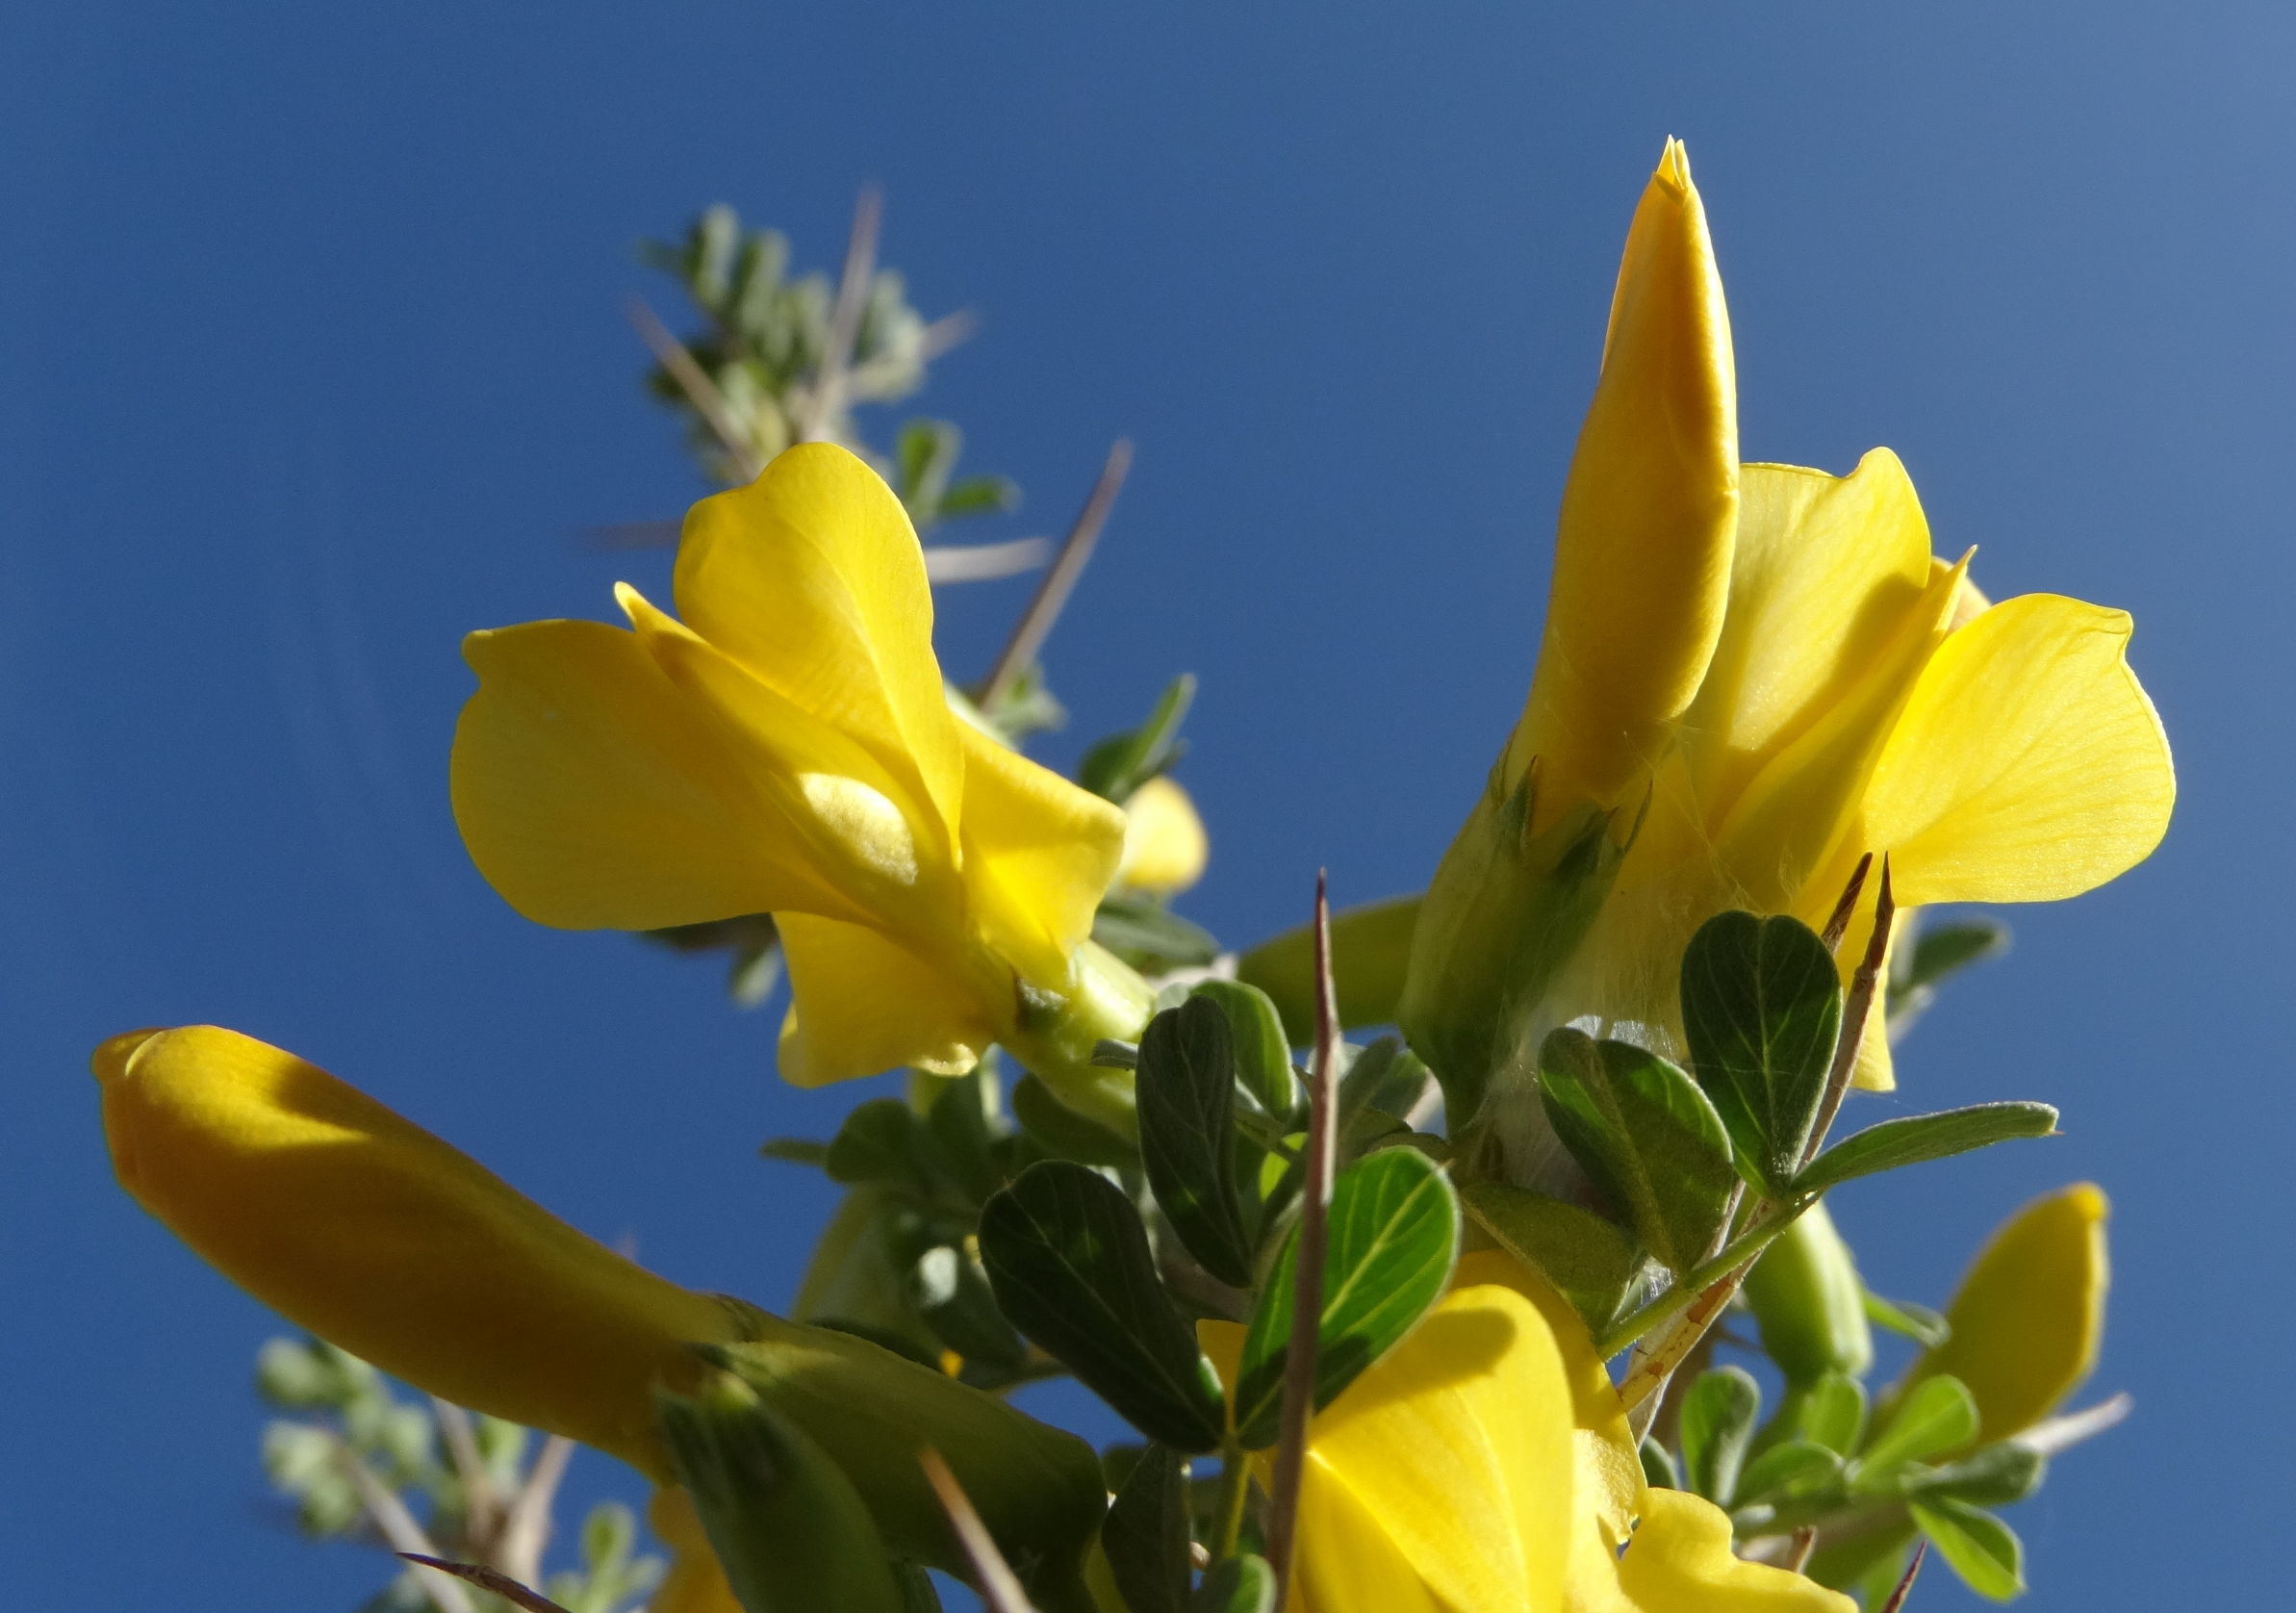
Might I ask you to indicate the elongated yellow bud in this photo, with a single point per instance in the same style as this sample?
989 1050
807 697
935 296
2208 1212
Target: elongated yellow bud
381 1239
2030 1313
1165 844
1649 516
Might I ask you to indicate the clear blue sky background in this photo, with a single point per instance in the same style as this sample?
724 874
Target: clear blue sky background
312 357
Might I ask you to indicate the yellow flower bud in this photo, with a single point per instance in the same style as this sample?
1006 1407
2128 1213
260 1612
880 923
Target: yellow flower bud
381 1239
1165 844
1643 547
2030 1313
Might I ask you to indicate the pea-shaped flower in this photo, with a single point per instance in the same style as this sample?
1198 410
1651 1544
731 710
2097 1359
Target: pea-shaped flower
1484 1466
787 748
1750 677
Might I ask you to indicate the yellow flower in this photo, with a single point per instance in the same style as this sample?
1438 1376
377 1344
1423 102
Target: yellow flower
1165 844
374 1235
1755 675
787 748
1484 1466
2029 1313
694 1583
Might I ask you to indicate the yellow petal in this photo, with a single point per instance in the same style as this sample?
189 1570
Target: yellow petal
2029 1316
1680 1562
594 793
2028 766
811 576
1347 1561
1038 853
882 850
1165 844
1458 1442
1825 570
1642 549
695 1582
862 1004
376 1236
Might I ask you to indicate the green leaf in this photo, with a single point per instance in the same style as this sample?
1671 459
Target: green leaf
1070 1264
1937 1414
1593 1261
1923 1327
1978 1547
1385 1078
1393 1239
1123 762
1718 1423
970 496
1150 937
1831 1411
952 1293
1241 1585
1146 1535
1762 1009
1920 1138
1064 1134
1263 1056
1646 1135
1658 1465
884 1143
1789 1472
796 1150
1997 1475
1185 1087
963 1121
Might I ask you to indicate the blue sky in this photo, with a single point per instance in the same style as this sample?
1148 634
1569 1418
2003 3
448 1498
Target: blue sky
312 356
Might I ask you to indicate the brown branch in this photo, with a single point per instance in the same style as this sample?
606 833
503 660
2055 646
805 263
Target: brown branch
998 1587
1864 988
1036 623
1839 923
487 1580
1897 1597
700 390
1307 1271
845 320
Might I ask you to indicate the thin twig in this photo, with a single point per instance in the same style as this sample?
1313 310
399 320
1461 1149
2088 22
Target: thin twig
526 1524
397 1525
1307 1271
1897 1597
482 1506
944 562
1798 1550
845 320
998 1587
1864 988
1052 594
487 1580
2063 1433
1839 923
700 390
945 333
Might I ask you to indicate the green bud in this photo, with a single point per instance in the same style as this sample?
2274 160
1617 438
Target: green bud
1808 1301
1039 1490
1507 910
783 1521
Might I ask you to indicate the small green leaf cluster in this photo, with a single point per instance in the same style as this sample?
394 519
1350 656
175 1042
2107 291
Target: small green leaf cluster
354 1452
1864 1487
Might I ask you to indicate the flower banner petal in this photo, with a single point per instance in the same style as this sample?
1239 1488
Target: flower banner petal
2029 765
1680 1562
812 577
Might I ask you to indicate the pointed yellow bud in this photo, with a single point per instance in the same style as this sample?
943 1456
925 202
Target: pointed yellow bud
1165 844
1642 565
380 1238
2030 1313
